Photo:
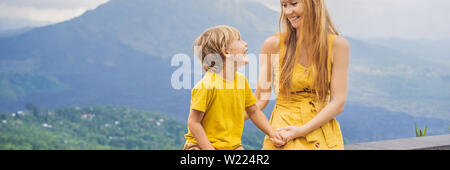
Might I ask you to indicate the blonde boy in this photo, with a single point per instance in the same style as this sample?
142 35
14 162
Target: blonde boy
219 101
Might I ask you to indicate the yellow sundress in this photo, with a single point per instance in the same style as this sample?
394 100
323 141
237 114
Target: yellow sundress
300 107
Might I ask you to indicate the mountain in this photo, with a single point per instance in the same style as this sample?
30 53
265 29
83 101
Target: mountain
437 50
14 32
120 54
405 82
15 85
364 124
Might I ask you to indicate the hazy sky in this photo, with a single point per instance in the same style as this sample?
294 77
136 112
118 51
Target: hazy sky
21 13
406 19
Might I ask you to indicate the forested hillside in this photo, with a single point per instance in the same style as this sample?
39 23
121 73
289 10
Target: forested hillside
96 127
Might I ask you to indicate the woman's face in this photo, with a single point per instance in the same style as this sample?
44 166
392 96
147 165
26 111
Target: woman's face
293 11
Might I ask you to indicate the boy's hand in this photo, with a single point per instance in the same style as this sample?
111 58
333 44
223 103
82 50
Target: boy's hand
277 140
261 121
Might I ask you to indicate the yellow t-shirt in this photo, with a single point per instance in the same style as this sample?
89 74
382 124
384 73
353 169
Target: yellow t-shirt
224 102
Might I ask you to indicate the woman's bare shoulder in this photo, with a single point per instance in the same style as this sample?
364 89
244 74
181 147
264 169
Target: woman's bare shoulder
341 49
272 44
340 43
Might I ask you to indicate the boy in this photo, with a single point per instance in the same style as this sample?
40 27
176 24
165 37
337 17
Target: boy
219 101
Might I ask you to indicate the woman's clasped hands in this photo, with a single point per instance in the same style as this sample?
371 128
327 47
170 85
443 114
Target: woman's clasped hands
286 134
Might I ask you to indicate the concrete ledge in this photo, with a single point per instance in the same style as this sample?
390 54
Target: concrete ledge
441 142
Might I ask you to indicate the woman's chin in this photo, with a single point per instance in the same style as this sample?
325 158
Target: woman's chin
295 26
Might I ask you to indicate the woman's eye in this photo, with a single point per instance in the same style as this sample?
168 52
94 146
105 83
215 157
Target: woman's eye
295 3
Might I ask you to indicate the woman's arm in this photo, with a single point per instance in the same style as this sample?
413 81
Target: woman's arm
339 81
197 130
269 52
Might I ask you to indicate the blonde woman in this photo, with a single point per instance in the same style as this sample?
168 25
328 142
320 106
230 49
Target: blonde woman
309 77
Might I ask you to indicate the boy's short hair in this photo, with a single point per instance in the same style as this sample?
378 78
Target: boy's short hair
209 45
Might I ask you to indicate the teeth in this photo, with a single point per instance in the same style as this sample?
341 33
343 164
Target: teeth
294 18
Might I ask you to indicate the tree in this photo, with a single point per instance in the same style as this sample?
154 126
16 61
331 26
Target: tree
32 108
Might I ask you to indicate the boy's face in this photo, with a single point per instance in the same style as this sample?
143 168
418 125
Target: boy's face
237 51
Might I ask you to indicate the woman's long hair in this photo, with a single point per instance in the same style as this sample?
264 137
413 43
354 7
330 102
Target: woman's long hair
315 27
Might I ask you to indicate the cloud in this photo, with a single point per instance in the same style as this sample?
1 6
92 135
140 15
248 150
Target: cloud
406 19
54 4
21 13
362 19
40 15
397 70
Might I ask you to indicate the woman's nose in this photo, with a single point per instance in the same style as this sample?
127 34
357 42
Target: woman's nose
288 11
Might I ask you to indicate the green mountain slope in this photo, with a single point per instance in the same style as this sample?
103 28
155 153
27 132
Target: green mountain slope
17 85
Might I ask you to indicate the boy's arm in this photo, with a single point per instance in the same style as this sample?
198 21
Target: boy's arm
246 116
269 53
261 121
197 130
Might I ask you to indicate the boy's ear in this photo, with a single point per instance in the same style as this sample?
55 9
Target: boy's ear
225 52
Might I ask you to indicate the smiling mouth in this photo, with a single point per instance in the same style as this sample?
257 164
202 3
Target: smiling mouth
294 19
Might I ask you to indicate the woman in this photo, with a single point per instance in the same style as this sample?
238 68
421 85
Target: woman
310 77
